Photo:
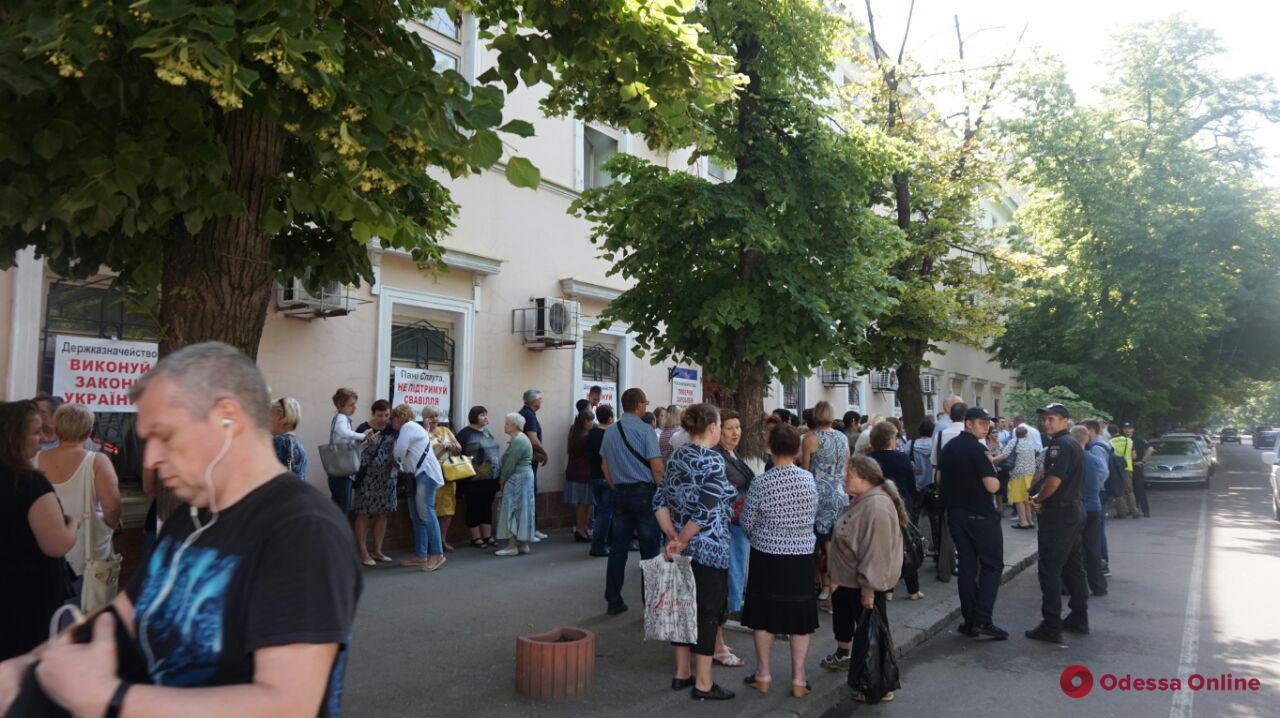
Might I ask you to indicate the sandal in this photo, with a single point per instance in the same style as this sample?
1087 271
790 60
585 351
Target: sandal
382 557
728 659
762 686
368 562
478 543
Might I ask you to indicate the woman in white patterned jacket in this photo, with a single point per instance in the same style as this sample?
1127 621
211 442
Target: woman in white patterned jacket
778 519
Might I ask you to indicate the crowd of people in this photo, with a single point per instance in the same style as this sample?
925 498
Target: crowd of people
824 524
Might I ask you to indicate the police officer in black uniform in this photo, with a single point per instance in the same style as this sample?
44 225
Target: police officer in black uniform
969 485
1061 528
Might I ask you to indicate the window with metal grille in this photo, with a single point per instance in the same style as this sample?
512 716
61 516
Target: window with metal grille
600 363
96 309
421 345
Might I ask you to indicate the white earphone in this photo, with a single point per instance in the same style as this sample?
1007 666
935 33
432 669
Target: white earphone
172 576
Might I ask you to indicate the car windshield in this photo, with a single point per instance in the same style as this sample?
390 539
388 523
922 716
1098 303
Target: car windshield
1175 448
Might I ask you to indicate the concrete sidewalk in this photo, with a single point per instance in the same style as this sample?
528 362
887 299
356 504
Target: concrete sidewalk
443 643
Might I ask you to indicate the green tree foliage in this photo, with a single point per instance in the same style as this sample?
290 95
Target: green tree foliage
1026 401
205 148
956 276
1160 292
782 267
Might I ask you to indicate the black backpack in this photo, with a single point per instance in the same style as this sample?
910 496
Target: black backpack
913 548
1115 474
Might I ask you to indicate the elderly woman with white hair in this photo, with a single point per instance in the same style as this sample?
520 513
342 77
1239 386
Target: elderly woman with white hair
515 479
286 412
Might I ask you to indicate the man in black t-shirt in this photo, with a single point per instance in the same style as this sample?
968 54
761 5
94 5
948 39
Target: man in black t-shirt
252 587
1061 528
969 484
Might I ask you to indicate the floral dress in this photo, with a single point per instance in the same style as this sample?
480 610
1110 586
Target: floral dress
827 466
375 492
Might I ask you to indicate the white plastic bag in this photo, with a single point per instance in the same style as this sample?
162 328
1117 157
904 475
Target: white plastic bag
670 600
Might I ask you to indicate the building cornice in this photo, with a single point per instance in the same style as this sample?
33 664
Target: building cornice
453 258
578 289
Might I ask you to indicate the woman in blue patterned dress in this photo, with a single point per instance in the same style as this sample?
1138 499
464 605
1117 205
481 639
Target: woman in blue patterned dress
515 478
824 454
778 519
692 506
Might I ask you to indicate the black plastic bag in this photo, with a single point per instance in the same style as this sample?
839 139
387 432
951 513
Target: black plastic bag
873 669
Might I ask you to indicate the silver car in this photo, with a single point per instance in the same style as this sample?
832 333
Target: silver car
1178 461
1269 458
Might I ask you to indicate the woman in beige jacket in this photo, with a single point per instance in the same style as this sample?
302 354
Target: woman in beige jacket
866 553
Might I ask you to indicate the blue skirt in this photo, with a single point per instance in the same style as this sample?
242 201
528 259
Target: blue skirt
516 515
576 493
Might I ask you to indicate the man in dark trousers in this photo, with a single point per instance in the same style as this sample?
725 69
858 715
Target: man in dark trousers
1141 452
1061 525
969 485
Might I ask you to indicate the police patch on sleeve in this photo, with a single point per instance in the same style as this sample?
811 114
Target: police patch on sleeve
1053 452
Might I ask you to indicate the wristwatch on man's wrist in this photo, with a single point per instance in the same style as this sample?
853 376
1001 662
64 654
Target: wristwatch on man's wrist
117 700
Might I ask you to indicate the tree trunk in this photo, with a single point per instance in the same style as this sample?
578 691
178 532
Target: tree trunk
216 284
910 397
749 402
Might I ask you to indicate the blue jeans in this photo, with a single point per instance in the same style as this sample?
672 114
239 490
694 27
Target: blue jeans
632 513
426 528
739 555
603 519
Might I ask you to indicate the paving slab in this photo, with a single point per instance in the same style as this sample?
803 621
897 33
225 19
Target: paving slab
443 643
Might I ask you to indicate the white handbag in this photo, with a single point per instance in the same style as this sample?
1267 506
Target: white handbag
101 580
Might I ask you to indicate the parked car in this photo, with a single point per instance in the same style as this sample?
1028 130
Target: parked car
1264 438
1269 457
1210 450
1229 435
1181 460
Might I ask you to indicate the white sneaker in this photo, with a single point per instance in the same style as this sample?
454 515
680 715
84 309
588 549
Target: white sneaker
534 539
539 535
507 552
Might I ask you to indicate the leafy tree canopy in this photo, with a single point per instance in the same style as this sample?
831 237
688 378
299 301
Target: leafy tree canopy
121 132
785 265
1160 290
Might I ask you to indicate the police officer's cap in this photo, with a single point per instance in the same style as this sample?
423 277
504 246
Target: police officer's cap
1055 408
977 412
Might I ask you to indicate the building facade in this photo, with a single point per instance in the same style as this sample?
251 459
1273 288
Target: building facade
513 308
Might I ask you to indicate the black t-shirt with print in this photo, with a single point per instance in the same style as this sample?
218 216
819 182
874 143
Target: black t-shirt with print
276 568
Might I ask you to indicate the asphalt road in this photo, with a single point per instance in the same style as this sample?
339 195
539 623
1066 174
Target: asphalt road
1195 589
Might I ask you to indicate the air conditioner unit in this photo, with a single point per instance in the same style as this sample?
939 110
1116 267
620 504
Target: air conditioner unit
552 322
928 384
884 381
836 377
331 300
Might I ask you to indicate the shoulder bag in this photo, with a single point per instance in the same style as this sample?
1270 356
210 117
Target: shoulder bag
101 580
339 459
1012 459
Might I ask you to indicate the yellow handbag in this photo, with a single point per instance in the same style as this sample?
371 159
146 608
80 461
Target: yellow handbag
457 467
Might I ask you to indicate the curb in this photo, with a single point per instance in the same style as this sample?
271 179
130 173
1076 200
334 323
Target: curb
825 702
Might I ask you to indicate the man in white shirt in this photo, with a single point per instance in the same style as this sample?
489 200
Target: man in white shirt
1033 434
943 433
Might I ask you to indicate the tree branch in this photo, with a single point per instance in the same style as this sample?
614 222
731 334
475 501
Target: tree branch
902 50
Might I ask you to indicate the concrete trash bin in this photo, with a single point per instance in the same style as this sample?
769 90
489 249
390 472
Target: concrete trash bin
557 664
